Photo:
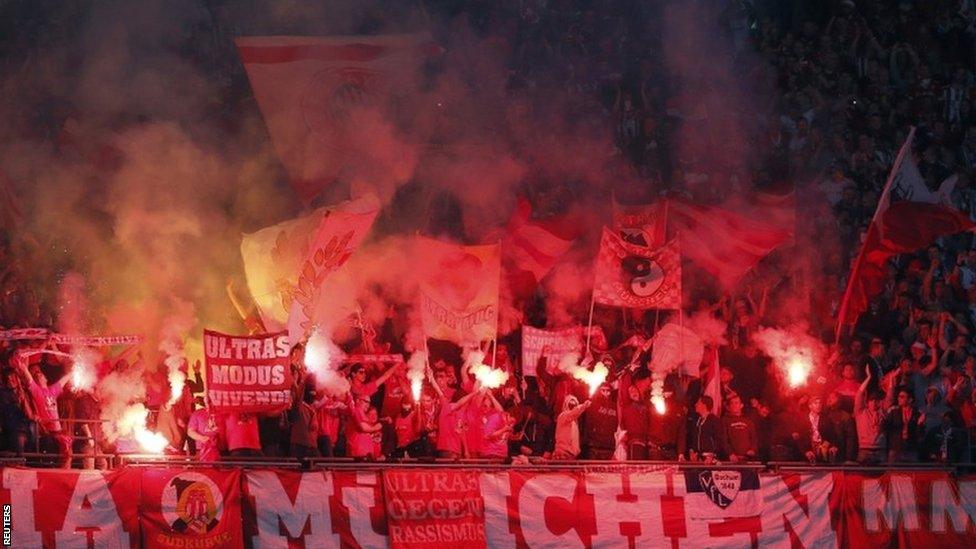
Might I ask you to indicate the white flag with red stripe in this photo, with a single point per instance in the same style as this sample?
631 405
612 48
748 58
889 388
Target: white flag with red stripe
314 92
909 217
710 378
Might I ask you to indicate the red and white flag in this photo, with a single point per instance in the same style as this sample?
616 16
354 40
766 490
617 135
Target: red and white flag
775 206
637 277
312 92
341 231
644 224
459 291
724 243
909 217
532 247
710 378
287 263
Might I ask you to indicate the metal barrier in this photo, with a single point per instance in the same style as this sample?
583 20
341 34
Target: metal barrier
345 464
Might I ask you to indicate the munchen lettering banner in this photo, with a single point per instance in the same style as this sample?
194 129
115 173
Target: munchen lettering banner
616 506
247 373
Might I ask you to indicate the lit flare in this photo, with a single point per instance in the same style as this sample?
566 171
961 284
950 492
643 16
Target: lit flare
488 377
660 406
83 376
592 378
797 371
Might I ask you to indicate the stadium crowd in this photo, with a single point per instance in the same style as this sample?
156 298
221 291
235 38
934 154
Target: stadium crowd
846 82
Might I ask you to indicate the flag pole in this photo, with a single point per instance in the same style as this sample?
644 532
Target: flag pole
589 323
498 306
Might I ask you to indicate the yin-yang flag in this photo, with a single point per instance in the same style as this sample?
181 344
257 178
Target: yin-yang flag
628 275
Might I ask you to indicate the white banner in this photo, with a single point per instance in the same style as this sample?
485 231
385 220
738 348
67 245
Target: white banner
555 343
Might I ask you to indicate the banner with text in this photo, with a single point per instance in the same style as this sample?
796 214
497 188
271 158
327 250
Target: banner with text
182 508
459 290
554 344
616 506
247 373
434 509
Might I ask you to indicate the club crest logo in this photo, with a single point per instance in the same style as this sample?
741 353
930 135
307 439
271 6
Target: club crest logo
192 504
330 98
721 486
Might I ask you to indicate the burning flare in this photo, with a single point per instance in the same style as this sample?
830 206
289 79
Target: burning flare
794 352
569 364
657 394
322 356
592 378
660 406
83 375
488 377
416 367
798 370
133 423
177 378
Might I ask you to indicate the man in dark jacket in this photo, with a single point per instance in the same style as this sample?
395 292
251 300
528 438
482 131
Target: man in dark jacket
703 433
901 427
739 432
844 429
665 424
600 425
635 420
814 434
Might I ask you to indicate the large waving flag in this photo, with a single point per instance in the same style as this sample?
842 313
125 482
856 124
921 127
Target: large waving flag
532 247
724 243
637 277
338 235
276 258
311 89
909 217
459 291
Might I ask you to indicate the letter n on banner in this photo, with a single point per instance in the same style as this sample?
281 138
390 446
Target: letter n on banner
434 509
191 508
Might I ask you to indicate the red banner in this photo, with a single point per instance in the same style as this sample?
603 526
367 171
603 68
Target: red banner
618 506
320 509
183 508
902 509
247 373
434 509
59 508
